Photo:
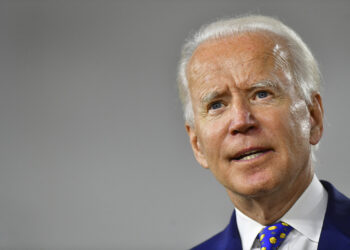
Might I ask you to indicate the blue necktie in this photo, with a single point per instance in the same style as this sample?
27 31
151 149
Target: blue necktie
271 237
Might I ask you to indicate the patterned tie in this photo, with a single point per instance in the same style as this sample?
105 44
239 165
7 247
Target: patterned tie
271 237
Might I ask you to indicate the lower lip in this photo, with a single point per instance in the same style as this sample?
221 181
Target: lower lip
255 158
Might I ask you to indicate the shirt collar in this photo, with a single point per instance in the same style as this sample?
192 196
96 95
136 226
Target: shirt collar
306 216
248 229
307 213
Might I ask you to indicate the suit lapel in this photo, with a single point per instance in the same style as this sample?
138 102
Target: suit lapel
233 240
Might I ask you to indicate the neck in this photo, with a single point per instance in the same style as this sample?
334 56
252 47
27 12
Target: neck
268 208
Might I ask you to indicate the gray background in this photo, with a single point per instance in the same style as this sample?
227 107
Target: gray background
93 150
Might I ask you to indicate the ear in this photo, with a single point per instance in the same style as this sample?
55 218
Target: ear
196 146
316 119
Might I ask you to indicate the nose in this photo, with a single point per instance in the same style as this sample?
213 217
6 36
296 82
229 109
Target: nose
242 121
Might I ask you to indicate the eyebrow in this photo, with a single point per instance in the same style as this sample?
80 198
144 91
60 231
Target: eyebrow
265 84
207 98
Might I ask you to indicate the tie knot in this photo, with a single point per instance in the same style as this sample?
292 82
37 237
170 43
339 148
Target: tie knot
272 236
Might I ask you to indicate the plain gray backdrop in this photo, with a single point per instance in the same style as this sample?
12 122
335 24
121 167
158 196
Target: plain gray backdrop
93 150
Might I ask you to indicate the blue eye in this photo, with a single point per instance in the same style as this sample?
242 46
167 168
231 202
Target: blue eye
262 94
216 105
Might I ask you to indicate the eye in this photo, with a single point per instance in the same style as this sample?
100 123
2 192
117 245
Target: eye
262 94
215 105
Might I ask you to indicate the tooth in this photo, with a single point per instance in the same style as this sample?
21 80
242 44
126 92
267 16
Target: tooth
252 156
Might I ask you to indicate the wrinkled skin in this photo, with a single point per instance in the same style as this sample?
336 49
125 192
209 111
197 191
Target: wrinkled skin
244 101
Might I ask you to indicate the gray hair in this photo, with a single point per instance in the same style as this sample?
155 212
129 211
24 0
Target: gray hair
304 68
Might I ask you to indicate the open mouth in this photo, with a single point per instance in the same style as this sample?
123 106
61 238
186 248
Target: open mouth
250 154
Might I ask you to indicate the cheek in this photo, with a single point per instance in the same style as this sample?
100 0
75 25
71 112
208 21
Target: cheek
292 132
300 120
283 127
212 137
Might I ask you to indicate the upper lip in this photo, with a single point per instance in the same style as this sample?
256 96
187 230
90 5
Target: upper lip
248 151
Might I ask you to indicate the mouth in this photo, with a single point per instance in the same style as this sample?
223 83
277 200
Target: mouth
250 154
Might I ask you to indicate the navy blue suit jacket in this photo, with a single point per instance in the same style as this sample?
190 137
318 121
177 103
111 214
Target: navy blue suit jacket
335 230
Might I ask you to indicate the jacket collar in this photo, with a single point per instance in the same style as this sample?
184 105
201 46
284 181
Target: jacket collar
335 230
336 226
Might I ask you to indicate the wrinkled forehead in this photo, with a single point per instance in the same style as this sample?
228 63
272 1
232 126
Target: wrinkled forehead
265 50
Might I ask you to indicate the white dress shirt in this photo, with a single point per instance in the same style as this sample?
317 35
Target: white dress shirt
305 216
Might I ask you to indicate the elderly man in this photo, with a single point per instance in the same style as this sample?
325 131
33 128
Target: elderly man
253 111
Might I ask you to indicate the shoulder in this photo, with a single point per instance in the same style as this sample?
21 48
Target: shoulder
338 203
336 228
227 239
212 243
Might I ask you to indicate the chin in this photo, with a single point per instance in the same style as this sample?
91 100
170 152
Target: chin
255 185
251 191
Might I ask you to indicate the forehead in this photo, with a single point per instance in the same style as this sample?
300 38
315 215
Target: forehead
243 54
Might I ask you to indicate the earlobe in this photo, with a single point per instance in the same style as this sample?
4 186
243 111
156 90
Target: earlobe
196 146
316 119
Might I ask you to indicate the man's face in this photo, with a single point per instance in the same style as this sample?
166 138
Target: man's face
251 127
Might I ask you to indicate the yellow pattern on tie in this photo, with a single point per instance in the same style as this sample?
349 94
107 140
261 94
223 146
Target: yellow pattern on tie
272 236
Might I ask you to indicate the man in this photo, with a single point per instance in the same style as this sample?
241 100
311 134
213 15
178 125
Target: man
253 111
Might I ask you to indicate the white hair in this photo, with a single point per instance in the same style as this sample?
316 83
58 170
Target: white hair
303 66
